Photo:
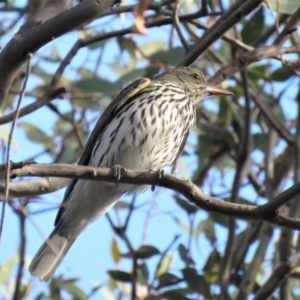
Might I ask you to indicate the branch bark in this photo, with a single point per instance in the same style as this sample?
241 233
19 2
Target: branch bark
14 54
186 188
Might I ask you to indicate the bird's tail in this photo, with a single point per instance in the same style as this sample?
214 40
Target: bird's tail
52 252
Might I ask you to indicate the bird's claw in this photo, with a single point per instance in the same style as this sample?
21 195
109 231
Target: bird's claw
118 171
161 174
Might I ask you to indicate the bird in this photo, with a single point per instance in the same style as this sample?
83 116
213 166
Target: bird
145 127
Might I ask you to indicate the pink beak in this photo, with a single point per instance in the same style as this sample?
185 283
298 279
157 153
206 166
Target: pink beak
214 90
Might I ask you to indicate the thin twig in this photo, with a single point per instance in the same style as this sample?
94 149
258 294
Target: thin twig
243 154
29 55
22 218
184 43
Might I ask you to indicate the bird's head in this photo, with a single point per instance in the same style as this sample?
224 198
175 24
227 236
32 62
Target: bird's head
193 82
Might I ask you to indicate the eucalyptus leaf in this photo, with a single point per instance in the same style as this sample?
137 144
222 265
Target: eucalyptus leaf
284 6
120 275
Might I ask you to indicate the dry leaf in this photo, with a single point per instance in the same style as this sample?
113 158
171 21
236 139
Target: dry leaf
139 9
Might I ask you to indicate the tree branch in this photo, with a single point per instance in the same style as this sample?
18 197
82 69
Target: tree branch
186 188
15 52
236 12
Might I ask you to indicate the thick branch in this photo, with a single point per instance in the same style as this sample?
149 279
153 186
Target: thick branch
186 188
14 54
245 59
34 187
237 11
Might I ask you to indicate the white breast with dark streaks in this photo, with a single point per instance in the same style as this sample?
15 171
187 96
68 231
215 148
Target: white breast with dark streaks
148 132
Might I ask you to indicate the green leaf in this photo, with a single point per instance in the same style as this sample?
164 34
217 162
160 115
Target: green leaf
95 85
128 78
225 112
75 291
167 279
91 32
184 255
69 150
225 52
196 282
144 271
43 74
221 219
6 268
257 72
11 97
177 294
183 225
165 264
260 141
285 6
151 47
212 266
281 74
253 28
207 227
96 45
170 57
54 56
4 134
146 251
190 275
189 208
55 289
206 146
225 163
35 134
107 294
275 106
120 275
115 252
127 44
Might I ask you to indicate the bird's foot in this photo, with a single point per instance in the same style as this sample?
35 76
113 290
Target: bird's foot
161 174
118 171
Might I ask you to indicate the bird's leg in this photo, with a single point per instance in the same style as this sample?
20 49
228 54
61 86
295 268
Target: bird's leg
118 171
175 167
161 174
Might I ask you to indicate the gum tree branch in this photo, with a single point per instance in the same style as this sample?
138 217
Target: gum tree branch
280 275
231 17
34 187
186 188
266 231
245 59
41 101
13 56
53 90
289 28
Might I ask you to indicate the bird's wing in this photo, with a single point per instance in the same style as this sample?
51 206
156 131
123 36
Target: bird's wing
125 96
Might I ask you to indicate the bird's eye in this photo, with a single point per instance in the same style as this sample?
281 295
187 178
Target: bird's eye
196 76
